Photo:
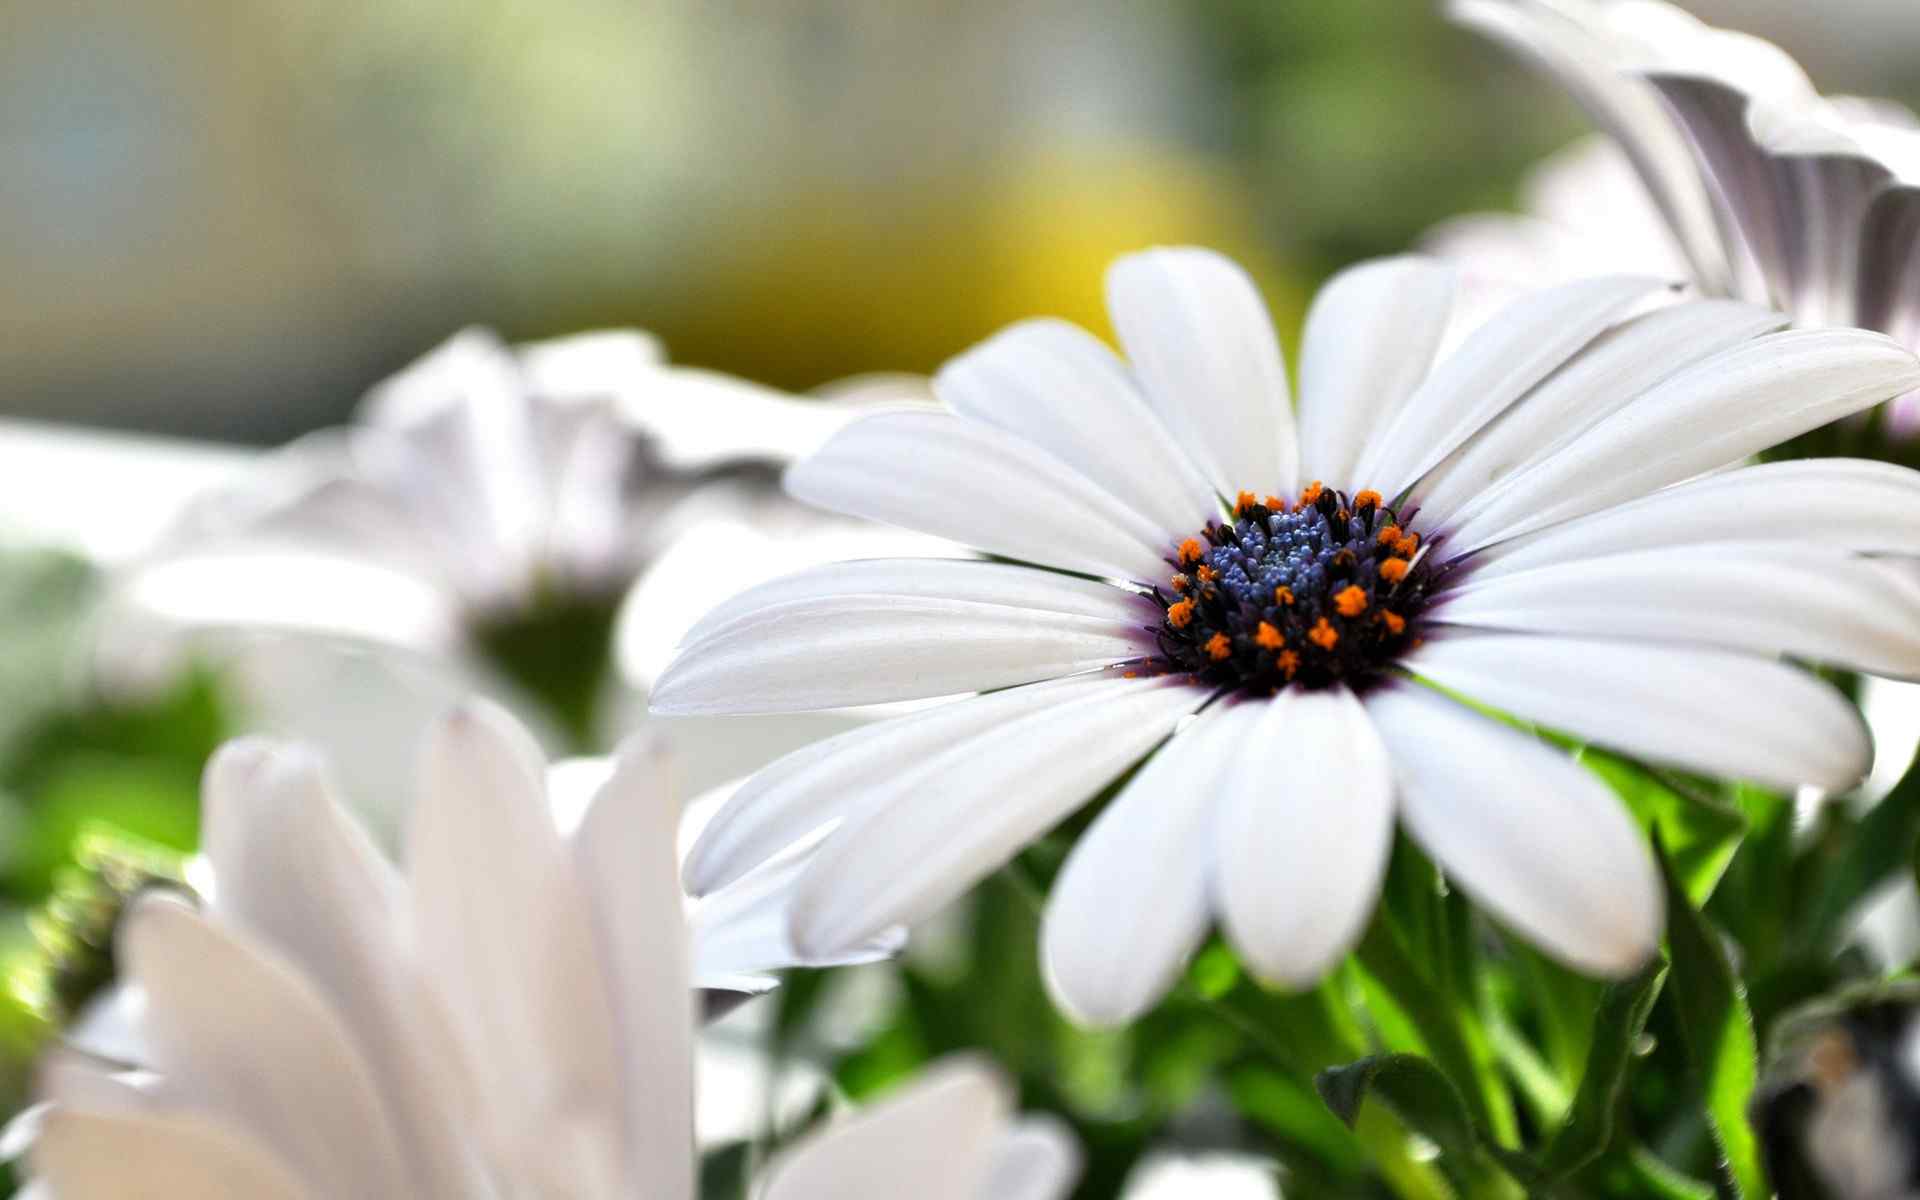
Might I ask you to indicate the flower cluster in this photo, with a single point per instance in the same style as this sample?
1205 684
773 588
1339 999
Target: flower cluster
1428 667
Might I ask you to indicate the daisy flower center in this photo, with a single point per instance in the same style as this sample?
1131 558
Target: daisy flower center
1312 594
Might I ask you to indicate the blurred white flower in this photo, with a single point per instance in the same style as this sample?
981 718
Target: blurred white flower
1539 520
499 478
1175 1176
1768 190
1585 213
944 1136
509 1014
476 529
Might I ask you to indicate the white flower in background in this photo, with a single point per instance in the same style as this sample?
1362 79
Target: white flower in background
1164 1175
509 1013
499 479
269 807
476 529
1585 213
1551 520
1771 192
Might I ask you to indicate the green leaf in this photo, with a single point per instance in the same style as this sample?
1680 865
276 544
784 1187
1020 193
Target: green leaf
1881 843
1590 1122
1408 1084
1287 1108
1717 1030
1428 1103
1652 1178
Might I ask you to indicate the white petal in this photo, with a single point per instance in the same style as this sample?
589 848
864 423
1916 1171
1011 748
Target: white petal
1370 339
1036 1160
1798 208
934 1138
84 1154
1490 370
465 410
292 869
975 485
743 931
600 362
69 1078
1711 711
1623 105
305 594
242 1037
848 650
1304 835
1537 840
1719 411
1845 504
941 578
696 419
625 851
107 1029
1889 263
1140 876
1057 386
1621 363
505 932
1199 337
810 790
936 830
1763 597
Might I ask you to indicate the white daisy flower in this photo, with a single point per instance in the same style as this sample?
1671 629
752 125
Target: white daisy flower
507 1014
1771 192
265 803
490 507
1541 520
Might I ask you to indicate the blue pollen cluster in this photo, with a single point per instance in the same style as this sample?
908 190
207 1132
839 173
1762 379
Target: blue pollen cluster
1323 592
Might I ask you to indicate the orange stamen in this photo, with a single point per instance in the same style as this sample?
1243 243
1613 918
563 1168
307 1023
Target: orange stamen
1324 635
1288 662
1180 583
1311 493
1394 621
1405 546
1388 535
1268 637
1366 498
1275 503
1180 613
1283 595
1190 550
1243 502
1351 600
1218 647
1393 570
1206 573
